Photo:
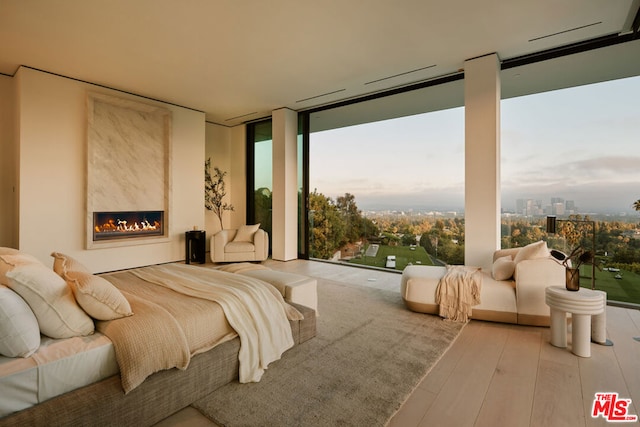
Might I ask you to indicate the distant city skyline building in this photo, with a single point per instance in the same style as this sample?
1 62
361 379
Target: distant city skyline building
535 207
558 208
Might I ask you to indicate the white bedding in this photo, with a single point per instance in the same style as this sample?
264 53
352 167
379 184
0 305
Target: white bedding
59 366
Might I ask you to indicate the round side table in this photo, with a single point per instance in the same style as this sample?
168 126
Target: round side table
587 308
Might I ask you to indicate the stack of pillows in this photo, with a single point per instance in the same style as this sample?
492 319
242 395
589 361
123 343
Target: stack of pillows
504 268
62 302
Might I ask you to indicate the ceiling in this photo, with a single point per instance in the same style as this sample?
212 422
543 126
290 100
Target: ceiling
237 61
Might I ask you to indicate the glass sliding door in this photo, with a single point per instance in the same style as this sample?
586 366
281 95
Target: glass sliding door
260 175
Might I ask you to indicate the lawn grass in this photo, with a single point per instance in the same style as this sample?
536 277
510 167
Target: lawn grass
626 289
405 255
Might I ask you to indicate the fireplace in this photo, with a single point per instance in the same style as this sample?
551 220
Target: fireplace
127 225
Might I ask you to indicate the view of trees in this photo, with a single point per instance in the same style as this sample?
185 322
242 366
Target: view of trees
263 200
616 240
336 224
341 231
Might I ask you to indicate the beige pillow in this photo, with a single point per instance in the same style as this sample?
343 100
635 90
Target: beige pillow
532 251
97 296
9 262
19 331
63 263
51 300
8 251
503 268
245 233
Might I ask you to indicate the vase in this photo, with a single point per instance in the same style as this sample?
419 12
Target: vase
572 281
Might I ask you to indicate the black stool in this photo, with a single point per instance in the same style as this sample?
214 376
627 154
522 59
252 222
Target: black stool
195 246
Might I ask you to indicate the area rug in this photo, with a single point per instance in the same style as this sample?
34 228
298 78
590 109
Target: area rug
369 354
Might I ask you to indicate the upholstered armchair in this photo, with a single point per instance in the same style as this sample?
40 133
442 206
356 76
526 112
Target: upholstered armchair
247 243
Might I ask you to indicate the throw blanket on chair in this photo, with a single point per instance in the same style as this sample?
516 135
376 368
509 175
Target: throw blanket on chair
458 291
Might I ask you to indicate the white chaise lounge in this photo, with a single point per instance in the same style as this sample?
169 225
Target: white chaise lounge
513 292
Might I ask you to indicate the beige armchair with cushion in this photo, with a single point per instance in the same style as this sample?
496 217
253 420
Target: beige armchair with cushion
247 243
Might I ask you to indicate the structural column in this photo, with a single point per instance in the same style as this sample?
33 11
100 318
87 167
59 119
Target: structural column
482 159
284 238
238 175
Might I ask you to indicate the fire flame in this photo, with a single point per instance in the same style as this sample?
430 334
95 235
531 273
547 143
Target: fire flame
122 226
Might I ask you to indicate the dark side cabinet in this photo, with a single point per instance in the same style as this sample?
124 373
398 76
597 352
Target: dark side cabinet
195 246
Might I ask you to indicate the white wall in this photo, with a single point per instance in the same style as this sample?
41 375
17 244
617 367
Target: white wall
218 147
52 174
227 149
8 153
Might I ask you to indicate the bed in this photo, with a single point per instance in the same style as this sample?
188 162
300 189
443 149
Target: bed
155 357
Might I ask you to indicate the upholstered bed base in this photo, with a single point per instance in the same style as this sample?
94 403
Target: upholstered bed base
104 403
162 394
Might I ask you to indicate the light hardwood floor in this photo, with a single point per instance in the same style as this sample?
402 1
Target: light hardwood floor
497 374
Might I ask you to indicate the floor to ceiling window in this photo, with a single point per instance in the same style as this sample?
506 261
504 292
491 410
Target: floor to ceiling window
574 154
387 189
260 175
385 173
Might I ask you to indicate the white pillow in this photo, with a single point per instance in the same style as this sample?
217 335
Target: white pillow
97 296
19 332
51 300
245 233
9 262
503 268
532 251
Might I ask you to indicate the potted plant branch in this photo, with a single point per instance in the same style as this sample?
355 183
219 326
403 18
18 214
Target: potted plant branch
573 230
572 263
214 191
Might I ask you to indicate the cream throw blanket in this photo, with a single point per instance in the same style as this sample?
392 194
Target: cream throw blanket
163 335
149 341
458 291
254 309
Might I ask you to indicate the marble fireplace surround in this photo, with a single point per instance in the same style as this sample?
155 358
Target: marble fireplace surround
128 162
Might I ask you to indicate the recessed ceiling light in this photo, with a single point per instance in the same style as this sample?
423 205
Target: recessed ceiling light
319 96
401 74
565 31
241 116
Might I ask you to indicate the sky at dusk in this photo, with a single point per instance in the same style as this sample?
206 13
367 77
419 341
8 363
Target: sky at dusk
581 144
